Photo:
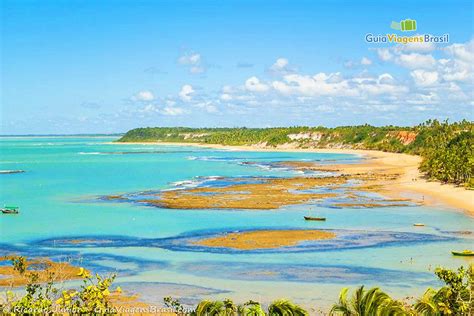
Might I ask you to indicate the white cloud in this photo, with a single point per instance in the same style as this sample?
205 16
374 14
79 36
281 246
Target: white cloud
411 60
464 52
227 89
384 54
424 78
281 67
422 47
365 61
253 84
170 102
423 82
193 61
317 85
208 106
211 109
453 75
173 111
226 97
190 59
415 60
149 108
186 92
423 99
384 84
196 70
280 64
460 66
421 108
143 96
457 67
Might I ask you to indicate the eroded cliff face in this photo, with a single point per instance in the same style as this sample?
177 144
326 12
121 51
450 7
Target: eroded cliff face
405 137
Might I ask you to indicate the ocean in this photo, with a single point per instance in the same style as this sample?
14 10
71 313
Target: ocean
61 198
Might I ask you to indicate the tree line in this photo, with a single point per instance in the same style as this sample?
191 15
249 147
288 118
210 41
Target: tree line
446 148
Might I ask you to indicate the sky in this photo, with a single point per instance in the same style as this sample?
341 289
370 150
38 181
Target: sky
84 66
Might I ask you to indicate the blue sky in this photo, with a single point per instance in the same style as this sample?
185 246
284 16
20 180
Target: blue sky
72 66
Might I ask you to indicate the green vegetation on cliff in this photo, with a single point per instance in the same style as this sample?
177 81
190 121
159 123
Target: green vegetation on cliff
446 148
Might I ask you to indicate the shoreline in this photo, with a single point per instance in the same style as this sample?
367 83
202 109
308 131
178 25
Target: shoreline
410 181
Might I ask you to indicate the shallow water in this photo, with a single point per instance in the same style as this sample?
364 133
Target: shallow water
59 194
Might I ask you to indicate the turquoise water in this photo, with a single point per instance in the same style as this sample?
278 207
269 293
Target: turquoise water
59 194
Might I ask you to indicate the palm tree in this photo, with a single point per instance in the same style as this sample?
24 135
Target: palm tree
396 308
216 308
285 308
229 307
251 308
209 308
426 305
373 302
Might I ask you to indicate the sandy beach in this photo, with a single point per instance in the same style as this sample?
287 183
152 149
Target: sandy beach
409 183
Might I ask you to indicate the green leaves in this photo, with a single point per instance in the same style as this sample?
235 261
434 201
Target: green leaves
280 307
251 308
448 152
372 302
285 308
19 264
43 298
455 298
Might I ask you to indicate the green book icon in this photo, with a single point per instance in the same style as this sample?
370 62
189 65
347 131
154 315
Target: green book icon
405 25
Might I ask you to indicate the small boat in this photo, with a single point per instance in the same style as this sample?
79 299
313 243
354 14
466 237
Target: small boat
419 224
464 253
309 218
10 210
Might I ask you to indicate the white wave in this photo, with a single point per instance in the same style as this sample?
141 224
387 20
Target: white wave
91 153
186 184
205 158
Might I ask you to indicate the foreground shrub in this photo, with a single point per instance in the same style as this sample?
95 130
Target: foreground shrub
455 298
42 298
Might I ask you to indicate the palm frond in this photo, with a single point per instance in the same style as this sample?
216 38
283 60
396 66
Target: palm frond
426 305
251 308
341 307
286 308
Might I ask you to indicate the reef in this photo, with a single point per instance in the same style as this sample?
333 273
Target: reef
265 239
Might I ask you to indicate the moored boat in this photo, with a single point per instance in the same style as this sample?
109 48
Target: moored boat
8 209
309 218
419 224
464 253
